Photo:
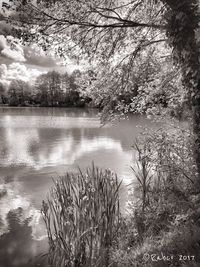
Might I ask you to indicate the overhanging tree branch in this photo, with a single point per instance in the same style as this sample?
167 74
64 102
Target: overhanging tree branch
120 22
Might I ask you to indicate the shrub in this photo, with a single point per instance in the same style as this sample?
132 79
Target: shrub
164 212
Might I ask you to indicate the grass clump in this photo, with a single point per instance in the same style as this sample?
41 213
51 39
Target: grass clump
82 218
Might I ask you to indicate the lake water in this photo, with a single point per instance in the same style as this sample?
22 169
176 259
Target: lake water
38 144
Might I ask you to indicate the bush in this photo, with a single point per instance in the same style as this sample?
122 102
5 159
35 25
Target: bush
164 218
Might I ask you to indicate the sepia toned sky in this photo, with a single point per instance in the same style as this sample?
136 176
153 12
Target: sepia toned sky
25 62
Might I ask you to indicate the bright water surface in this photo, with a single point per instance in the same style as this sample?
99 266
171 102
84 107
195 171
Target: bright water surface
38 144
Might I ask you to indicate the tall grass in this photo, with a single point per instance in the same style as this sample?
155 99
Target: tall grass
143 173
82 218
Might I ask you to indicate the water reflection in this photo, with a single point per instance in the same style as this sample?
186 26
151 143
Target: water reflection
11 198
63 142
22 235
17 246
38 144
40 148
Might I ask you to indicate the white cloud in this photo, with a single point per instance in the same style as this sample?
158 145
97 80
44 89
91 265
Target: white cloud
7 7
17 71
3 42
12 54
11 48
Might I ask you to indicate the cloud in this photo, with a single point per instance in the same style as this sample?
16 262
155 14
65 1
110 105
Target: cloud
17 71
35 56
11 48
7 7
13 54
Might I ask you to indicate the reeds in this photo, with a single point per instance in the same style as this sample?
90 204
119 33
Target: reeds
82 218
142 172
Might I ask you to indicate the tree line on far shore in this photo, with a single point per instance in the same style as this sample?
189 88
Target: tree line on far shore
51 89
91 88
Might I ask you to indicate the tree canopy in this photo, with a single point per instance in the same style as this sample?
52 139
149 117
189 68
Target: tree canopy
100 29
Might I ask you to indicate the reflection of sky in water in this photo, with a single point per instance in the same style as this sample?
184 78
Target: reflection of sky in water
38 144
12 200
22 235
32 141
22 147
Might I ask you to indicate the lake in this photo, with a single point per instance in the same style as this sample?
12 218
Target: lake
39 144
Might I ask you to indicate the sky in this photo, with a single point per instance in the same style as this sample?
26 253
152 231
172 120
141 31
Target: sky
25 62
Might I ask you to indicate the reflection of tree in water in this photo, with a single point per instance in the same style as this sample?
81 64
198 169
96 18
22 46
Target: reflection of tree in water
17 246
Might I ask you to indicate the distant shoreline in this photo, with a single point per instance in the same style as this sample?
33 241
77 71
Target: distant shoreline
41 106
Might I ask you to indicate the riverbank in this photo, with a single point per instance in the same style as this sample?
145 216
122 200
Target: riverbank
160 228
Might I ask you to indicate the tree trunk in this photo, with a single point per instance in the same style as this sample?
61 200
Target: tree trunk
183 19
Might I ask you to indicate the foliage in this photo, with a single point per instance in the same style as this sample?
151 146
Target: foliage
95 27
82 218
18 93
50 89
148 84
2 94
163 211
167 249
183 23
